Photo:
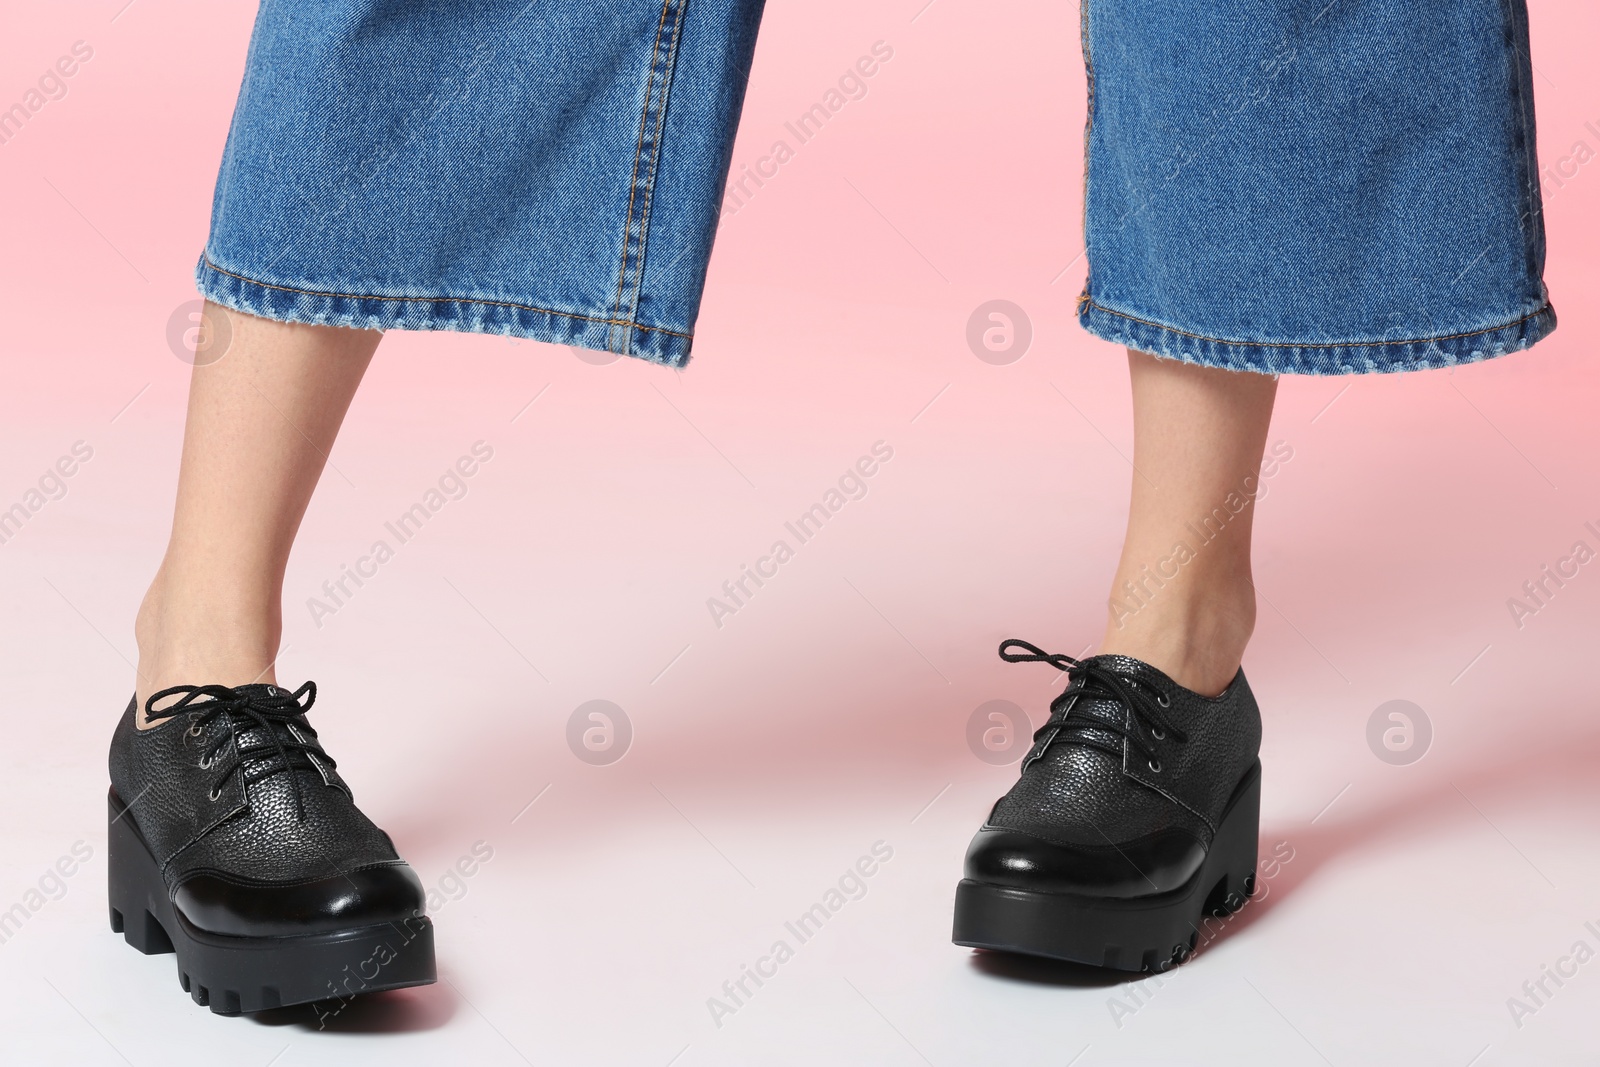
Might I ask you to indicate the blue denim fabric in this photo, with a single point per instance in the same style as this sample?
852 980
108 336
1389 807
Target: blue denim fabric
549 170
1313 187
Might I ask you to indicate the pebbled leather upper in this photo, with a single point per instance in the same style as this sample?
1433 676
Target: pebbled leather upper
1082 820
238 858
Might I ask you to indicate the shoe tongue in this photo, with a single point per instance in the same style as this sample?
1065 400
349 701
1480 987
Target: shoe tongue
252 732
259 739
1101 709
1128 667
1078 729
266 697
1100 704
260 689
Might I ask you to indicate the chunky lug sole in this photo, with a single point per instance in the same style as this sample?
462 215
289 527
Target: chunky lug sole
241 974
1125 934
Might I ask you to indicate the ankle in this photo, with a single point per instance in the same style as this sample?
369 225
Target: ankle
147 621
1196 637
201 635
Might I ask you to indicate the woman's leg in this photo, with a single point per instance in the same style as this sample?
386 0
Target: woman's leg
261 421
1182 599
246 855
1135 815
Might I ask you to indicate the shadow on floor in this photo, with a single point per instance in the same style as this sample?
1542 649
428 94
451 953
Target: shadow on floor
1035 970
1433 805
396 1011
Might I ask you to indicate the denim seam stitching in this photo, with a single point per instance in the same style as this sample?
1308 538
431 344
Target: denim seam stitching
1088 131
1309 344
618 344
670 65
633 181
1521 79
446 299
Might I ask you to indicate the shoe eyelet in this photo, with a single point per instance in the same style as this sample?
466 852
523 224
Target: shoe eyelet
1158 734
195 731
214 796
1154 765
1163 701
205 764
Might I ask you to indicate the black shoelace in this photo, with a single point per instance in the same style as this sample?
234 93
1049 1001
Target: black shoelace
1070 724
274 710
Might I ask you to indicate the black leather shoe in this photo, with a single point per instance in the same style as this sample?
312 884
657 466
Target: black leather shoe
1135 818
234 843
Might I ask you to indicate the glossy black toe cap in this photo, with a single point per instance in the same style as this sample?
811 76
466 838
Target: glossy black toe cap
368 896
1153 864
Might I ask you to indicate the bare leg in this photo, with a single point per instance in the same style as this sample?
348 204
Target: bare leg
1182 599
261 421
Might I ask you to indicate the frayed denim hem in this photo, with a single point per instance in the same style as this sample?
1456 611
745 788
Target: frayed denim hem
464 315
1376 357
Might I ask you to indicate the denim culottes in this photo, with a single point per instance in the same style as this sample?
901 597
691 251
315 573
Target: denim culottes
1312 186
1283 186
548 169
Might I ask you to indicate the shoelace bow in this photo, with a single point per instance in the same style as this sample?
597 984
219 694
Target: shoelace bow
274 712
1070 725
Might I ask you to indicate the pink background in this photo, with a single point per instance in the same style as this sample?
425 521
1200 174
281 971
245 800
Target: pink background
831 711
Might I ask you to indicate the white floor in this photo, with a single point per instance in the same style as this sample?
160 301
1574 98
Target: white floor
1408 906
